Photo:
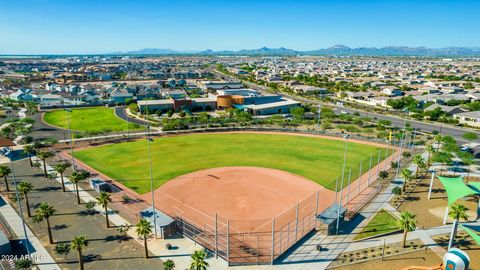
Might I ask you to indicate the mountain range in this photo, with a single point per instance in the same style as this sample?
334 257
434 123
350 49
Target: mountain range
339 50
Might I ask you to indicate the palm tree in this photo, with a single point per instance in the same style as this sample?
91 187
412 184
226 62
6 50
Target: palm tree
430 151
383 175
60 168
44 212
407 175
75 178
30 150
438 139
407 223
5 171
168 265
103 200
43 155
144 229
24 188
198 260
78 243
418 160
458 212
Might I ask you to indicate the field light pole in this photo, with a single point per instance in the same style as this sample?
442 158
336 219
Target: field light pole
68 111
341 184
8 154
149 140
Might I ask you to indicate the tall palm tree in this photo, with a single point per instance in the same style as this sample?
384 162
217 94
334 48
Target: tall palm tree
144 229
198 260
430 151
103 200
30 150
44 212
418 160
24 188
78 243
60 168
457 212
43 155
75 178
407 175
5 171
407 223
438 139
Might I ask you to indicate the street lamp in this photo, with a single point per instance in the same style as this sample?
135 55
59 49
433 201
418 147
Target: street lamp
341 183
7 152
68 111
401 143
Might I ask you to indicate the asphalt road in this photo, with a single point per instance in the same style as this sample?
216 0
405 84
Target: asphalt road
122 113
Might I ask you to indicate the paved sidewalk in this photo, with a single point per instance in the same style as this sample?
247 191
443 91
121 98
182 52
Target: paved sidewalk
40 255
184 246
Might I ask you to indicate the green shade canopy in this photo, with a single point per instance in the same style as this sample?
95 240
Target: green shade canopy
456 188
475 186
473 234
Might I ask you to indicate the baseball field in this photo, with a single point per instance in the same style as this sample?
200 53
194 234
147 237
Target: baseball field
96 119
316 158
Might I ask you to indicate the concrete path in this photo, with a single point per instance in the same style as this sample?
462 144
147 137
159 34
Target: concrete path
39 254
157 247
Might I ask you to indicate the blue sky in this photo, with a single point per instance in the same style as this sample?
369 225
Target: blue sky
88 26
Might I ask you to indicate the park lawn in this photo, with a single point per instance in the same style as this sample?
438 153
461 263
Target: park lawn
382 223
318 159
96 119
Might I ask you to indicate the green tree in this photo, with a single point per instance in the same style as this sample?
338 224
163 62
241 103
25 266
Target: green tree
25 263
90 205
75 178
78 243
198 260
457 212
419 161
407 175
144 229
397 191
30 150
383 175
168 265
4 172
297 112
430 151
60 168
438 139
44 212
44 155
103 201
407 223
24 188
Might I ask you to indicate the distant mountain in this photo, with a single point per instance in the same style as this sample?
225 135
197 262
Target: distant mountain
334 50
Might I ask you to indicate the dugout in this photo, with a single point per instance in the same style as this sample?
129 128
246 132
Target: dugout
327 220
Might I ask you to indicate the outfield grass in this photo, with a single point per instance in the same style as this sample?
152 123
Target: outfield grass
96 119
382 223
317 159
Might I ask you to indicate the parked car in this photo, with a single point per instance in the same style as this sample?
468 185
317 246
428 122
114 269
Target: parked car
457 169
467 149
457 163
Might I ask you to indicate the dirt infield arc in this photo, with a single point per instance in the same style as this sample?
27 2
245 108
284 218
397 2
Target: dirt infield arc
246 215
249 194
